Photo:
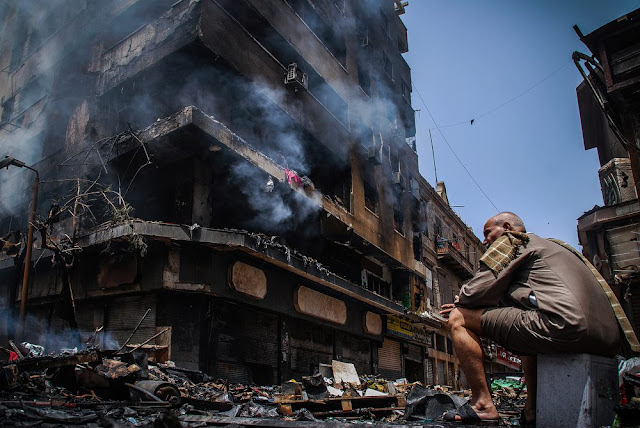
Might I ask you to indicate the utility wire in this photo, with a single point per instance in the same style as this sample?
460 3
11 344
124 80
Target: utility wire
473 119
453 151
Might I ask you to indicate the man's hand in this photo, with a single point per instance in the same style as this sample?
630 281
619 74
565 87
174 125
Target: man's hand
448 307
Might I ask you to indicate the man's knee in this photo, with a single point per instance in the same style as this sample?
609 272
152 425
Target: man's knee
465 318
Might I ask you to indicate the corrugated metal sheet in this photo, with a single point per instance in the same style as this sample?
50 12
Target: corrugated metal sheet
430 380
247 345
390 359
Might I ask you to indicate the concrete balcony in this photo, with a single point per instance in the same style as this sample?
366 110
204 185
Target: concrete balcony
450 256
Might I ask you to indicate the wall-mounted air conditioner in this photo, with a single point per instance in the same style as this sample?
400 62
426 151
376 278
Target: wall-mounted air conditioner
296 77
374 155
398 179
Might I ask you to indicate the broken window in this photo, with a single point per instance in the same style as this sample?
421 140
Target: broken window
398 219
370 197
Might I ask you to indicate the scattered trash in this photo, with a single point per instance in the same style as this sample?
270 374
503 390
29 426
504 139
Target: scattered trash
131 386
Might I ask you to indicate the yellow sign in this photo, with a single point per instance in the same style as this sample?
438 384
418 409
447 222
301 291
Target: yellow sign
399 327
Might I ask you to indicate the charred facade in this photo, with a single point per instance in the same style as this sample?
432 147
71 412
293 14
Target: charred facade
609 101
245 170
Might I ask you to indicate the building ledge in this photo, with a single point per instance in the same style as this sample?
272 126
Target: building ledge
601 215
256 245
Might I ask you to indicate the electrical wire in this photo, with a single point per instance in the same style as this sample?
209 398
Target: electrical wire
453 151
473 119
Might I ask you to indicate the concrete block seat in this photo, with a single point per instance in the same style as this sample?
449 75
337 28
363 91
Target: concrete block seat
576 390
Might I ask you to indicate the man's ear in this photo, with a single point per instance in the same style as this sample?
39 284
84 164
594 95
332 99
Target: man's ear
507 226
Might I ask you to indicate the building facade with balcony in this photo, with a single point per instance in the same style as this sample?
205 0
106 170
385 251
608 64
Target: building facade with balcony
240 175
609 104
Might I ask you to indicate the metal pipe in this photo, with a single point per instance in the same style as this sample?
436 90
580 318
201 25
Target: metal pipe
27 259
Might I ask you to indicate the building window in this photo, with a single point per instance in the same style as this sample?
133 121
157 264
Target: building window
7 110
387 64
437 227
384 21
370 197
406 92
364 79
440 343
398 220
377 285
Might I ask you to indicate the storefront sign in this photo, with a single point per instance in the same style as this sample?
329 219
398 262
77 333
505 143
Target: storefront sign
399 327
508 359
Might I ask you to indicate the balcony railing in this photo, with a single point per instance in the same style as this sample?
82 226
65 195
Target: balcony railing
449 253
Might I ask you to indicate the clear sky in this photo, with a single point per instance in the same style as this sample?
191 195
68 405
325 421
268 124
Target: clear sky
469 57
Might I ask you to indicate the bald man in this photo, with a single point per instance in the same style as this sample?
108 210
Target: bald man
530 295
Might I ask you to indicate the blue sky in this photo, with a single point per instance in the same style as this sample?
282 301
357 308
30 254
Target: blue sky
469 57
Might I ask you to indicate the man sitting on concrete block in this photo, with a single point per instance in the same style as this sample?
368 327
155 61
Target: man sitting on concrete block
530 295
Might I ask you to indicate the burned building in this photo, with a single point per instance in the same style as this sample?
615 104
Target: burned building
609 104
239 175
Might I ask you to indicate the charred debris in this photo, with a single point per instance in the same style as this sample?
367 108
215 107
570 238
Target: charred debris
138 386
235 181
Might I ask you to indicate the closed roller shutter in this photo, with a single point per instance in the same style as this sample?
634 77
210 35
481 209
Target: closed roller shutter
310 345
247 345
390 359
441 372
124 314
430 380
354 350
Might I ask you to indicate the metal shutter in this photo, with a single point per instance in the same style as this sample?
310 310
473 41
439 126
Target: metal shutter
310 345
354 350
247 345
124 314
390 359
430 380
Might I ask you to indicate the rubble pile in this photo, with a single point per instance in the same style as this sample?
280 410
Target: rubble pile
109 388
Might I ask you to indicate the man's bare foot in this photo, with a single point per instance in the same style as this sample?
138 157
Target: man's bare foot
470 413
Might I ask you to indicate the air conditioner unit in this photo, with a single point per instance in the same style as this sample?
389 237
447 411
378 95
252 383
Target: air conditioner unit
398 179
296 77
374 155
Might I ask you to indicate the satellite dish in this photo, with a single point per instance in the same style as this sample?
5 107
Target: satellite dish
597 262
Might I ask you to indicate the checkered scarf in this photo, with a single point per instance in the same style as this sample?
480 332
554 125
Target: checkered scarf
503 250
